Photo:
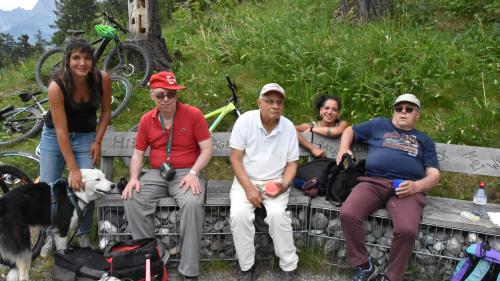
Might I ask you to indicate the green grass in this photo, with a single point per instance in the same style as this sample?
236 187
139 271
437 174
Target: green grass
448 57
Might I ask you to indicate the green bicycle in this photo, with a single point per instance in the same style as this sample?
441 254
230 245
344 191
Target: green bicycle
232 105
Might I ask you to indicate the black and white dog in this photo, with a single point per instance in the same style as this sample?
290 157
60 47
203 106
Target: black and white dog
29 206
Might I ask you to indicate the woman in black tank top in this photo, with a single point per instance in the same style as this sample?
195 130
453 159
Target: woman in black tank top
71 135
328 123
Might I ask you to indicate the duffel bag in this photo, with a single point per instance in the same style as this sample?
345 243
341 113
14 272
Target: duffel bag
79 264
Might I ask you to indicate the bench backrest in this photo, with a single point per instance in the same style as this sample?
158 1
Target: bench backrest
452 158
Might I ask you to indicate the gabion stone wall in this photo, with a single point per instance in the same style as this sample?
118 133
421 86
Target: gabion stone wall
217 240
437 249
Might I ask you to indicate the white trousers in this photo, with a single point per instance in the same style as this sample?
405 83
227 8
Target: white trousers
242 215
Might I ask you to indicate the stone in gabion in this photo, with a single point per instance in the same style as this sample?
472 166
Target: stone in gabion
163 214
378 231
211 219
319 221
342 253
453 246
384 241
388 233
376 253
331 246
316 231
424 256
438 247
495 243
216 246
427 240
107 227
218 226
173 217
339 234
114 217
205 243
296 224
163 231
302 215
368 226
370 238
230 252
318 241
333 225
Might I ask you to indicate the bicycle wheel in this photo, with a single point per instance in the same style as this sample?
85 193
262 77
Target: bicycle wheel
20 124
10 178
29 162
121 91
47 65
135 63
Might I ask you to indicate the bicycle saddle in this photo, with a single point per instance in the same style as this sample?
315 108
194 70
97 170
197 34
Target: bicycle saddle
5 110
26 96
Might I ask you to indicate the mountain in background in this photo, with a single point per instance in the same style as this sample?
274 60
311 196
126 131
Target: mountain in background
20 21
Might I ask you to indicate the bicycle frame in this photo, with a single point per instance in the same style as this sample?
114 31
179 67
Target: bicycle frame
232 105
222 112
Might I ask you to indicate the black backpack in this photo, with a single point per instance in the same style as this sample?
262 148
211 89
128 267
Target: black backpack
319 169
343 178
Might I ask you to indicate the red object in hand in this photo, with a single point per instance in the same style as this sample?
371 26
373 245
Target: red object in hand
271 188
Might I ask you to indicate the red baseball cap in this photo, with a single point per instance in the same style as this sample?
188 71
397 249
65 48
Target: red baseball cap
165 80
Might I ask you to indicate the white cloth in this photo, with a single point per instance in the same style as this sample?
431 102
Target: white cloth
266 154
278 218
495 218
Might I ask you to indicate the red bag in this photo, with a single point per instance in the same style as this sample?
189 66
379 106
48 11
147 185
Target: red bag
128 260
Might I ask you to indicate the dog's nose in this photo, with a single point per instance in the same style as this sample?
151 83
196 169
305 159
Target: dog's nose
113 186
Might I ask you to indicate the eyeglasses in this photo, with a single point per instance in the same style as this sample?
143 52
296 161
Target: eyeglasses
271 102
168 95
408 109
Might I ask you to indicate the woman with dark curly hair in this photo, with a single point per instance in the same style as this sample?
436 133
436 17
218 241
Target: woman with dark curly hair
328 123
72 135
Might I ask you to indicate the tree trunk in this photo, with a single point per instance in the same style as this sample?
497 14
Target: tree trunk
362 9
145 30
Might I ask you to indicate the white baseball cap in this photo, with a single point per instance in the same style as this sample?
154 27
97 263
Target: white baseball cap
407 98
272 87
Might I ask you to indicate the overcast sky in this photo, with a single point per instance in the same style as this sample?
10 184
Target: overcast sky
8 5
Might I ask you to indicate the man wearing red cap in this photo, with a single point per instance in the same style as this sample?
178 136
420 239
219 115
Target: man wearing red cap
180 147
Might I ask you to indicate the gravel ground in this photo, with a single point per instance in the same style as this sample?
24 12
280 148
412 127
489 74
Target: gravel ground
265 274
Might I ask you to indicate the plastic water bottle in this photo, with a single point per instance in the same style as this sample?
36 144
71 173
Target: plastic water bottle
480 200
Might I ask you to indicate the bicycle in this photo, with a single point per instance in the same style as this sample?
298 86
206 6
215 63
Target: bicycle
125 59
11 178
18 124
232 105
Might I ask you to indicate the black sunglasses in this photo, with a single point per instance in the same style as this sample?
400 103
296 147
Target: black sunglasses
408 109
168 95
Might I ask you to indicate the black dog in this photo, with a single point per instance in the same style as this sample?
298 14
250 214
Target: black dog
29 206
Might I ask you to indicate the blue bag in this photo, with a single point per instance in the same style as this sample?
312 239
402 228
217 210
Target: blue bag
481 264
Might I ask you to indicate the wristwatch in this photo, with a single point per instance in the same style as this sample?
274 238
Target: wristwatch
193 172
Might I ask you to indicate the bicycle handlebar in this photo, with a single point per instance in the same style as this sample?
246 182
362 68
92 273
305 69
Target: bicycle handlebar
233 89
114 22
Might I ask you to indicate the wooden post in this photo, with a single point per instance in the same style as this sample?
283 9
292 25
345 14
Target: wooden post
144 28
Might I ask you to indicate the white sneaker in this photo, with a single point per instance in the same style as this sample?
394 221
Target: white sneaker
48 247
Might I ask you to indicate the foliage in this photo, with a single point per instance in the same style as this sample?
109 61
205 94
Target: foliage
447 59
73 14
14 51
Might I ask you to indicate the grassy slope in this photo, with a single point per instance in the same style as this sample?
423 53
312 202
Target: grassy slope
450 63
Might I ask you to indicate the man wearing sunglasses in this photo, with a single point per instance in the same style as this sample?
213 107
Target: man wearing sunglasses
400 167
180 147
264 151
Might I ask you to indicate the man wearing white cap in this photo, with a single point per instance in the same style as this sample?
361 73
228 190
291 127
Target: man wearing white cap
400 167
264 151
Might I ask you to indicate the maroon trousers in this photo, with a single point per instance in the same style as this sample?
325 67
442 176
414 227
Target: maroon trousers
368 196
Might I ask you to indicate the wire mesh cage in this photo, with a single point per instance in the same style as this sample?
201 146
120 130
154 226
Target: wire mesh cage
436 253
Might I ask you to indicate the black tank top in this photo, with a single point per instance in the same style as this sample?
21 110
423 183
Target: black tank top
81 118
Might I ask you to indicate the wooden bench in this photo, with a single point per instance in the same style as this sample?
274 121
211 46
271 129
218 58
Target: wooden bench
441 216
